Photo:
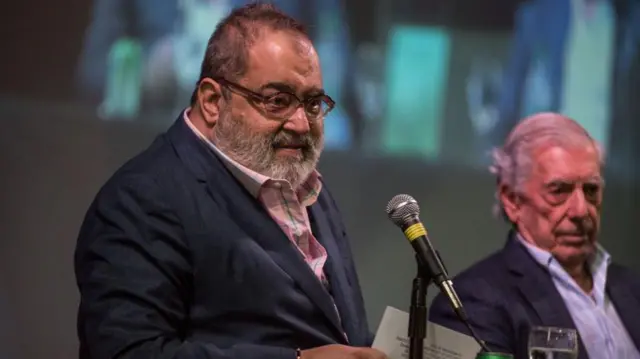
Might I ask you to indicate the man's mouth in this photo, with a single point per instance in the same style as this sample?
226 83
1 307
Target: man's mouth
573 238
290 145
289 149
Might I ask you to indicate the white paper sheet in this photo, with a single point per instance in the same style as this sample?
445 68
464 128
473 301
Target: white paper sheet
440 343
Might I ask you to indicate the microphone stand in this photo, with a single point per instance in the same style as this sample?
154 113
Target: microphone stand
418 313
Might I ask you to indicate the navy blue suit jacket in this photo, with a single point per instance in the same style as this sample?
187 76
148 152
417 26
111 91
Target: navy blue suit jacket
175 259
509 292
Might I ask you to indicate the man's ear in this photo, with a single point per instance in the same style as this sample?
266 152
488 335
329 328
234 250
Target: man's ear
510 202
209 98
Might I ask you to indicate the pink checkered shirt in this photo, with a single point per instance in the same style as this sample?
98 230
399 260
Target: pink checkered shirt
286 207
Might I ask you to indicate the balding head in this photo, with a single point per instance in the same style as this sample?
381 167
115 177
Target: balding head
228 49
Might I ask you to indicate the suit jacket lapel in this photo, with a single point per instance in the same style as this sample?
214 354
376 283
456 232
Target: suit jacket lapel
334 267
537 289
257 223
249 215
625 302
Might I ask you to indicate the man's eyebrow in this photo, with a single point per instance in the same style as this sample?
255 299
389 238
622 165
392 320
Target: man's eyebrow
553 182
280 86
596 180
285 87
314 92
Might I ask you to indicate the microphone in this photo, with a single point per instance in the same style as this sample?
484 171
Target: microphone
404 211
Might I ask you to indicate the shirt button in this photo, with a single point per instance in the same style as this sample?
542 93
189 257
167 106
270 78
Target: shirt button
277 185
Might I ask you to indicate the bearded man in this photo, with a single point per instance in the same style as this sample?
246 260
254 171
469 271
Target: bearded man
220 240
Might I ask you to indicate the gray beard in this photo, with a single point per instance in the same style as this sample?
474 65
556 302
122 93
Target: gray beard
257 152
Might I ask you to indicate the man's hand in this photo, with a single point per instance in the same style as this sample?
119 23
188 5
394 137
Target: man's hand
336 351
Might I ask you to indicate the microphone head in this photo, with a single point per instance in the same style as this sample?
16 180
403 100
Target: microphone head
401 207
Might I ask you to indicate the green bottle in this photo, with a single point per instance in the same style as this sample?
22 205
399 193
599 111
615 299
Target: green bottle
494 356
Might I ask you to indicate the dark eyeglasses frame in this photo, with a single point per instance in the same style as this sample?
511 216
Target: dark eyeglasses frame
262 99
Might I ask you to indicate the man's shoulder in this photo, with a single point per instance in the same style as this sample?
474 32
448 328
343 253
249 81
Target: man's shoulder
153 167
484 290
142 187
484 279
491 268
625 274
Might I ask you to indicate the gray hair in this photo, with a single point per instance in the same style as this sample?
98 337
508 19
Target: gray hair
512 163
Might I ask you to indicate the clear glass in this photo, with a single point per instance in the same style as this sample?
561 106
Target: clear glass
553 343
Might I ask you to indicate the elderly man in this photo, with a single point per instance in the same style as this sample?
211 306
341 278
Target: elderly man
552 271
221 240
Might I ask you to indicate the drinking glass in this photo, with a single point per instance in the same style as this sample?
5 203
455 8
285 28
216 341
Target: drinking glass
553 343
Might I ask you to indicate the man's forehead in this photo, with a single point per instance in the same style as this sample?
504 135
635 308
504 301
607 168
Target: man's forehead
567 164
304 48
284 54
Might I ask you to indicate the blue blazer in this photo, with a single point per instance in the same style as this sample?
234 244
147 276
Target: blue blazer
509 292
175 259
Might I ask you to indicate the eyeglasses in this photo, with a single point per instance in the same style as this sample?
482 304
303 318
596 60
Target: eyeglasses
283 105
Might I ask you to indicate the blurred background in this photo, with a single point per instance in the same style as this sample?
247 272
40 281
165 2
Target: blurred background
425 89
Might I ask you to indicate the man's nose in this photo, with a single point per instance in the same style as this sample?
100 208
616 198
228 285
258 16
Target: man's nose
298 122
577 205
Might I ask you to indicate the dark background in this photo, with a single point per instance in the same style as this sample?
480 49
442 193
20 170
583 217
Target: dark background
55 154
